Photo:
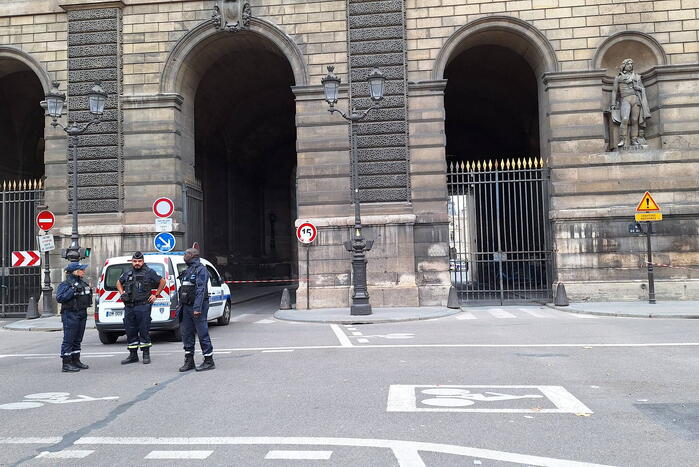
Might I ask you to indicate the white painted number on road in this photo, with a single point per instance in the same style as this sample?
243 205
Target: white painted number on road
502 399
32 401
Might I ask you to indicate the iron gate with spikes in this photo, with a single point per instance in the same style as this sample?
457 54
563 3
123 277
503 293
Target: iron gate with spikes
499 232
18 209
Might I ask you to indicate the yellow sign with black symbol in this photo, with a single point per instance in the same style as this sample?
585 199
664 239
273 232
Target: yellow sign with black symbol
647 204
649 216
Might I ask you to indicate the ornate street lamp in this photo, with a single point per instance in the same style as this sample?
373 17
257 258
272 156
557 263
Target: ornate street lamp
358 246
53 104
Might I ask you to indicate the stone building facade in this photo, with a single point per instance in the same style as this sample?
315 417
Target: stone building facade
231 124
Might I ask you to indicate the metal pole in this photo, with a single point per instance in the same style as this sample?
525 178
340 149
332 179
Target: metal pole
651 281
47 291
3 253
74 234
308 277
360 296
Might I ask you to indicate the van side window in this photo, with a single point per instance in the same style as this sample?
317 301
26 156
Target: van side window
215 279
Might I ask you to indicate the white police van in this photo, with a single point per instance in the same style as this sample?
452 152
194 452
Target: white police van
109 309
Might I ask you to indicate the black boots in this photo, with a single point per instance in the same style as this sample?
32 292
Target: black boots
146 355
188 363
132 358
68 365
78 363
208 364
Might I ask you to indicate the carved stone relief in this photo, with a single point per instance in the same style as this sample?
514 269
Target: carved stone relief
232 15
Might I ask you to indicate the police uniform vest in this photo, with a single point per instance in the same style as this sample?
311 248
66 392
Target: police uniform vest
188 289
137 287
82 298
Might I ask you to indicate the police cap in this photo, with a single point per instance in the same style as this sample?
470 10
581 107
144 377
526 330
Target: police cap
75 266
137 255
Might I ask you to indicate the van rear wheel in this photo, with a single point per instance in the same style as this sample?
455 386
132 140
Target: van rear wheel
108 337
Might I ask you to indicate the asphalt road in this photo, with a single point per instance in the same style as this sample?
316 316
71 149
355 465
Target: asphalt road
494 386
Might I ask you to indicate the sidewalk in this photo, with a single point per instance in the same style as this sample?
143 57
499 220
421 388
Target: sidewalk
664 309
53 323
379 315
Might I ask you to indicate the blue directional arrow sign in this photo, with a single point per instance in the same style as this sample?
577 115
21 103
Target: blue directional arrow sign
164 242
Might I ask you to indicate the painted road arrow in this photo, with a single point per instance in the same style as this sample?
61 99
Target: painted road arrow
22 259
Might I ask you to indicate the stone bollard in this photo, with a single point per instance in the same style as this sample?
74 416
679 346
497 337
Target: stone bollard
561 296
32 309
286 300
453 300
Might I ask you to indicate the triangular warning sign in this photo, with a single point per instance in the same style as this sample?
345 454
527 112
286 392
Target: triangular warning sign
647 204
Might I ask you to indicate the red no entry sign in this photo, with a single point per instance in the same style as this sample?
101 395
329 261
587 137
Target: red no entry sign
45 220
163 207
306 232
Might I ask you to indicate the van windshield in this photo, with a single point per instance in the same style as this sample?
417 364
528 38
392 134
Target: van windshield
115 271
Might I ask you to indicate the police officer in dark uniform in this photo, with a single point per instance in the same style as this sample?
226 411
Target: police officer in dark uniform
75 297
193 311
135 287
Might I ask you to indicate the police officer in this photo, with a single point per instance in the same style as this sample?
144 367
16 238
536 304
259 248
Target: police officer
75 297
193 311
135 287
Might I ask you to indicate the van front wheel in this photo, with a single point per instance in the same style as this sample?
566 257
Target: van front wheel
225 318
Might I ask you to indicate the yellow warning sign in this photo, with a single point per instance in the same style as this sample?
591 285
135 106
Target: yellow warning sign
649 216
647 204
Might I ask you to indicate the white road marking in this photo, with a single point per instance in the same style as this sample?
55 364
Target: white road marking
350 328
178 454
67 454
395 445
465 315
299 455
362 340
407 457
239 317
535 313
278 351
356 333
41 358
341 336
35 440
403 398
428 346
500 313
580 315
265 321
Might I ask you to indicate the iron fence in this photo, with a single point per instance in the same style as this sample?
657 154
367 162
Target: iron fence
18 208
499 230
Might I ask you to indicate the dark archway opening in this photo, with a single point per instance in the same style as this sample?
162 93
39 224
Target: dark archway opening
245 143
499 247
21 123
492 109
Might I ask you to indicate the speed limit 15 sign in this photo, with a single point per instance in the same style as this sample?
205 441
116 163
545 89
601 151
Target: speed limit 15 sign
306 233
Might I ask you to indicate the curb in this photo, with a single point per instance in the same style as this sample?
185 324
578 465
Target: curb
360 320
624 315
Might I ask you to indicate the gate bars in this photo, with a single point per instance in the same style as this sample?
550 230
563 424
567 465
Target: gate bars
18 208
499 232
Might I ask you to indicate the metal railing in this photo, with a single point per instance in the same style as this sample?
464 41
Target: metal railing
18 207
500 240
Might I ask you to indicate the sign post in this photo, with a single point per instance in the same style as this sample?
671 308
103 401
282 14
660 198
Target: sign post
648 211
306 234
163 208
45 220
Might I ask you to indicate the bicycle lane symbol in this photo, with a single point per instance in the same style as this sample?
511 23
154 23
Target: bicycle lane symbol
32 401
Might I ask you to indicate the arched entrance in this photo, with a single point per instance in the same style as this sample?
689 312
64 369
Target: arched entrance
22 87
498 185
21 120
239 136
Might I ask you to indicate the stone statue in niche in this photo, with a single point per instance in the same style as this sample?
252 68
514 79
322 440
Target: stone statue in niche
232 15
629 108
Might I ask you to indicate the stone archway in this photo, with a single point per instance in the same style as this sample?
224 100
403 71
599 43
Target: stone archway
238 138
23 84
495 109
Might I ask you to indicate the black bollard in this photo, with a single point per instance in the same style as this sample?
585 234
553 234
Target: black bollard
32 309
453 300
561 296
286 300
